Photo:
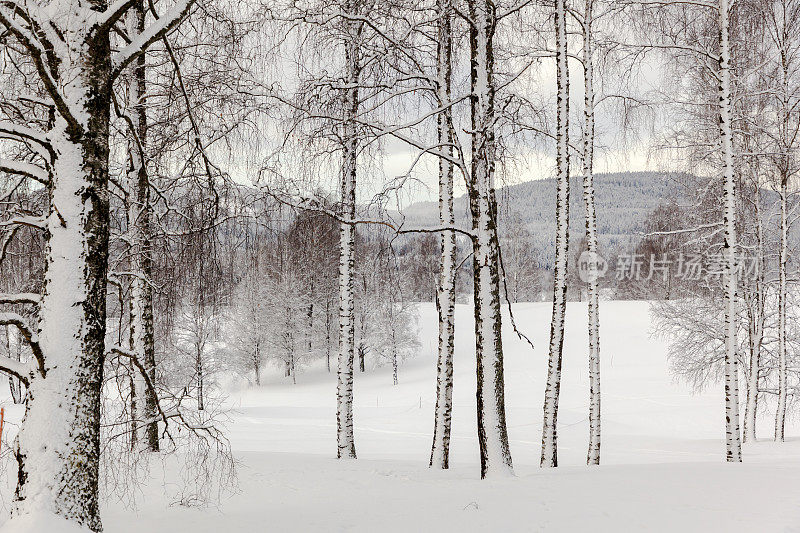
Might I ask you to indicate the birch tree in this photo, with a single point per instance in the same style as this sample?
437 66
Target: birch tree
549 456
142 337
702 37
781 27
492 431
446 290
69 44
593 457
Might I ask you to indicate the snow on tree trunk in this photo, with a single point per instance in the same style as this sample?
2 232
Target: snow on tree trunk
549 456
346 447
593 456
733 452
492 432
780 415
58 445
446 290
140 229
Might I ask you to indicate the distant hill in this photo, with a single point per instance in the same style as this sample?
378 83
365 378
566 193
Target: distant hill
624 200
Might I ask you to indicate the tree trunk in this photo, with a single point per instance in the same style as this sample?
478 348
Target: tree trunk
346 447
492 432
780 415
199 371
549 456
756 330
446 291
58 445
593 455
141 237
733 444
394 367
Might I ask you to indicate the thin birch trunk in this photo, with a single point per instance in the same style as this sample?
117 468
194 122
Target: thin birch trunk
780 415
199 371
492 431
446 293
346 447
593 456
733 446
549 456
142 337
756 331
785 130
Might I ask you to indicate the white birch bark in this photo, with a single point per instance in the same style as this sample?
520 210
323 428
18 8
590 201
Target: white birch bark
346 447
446 290
492 431
780 415
142 338
756 332
58 445
549 456
733 447
593 456
786 141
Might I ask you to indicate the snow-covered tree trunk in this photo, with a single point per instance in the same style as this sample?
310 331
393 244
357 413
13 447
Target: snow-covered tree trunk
58 445
140 233
346 447
732 436
780 415
593 456
492 431
549 456
446 290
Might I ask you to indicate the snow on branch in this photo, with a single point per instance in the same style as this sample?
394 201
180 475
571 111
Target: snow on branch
22 370
303 203
114 12
20 298
30 221
23 133
24 169
16 368
161 27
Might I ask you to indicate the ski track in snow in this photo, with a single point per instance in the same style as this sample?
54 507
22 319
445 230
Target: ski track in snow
662 456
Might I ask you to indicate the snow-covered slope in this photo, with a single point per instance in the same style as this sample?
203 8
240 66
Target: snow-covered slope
662 455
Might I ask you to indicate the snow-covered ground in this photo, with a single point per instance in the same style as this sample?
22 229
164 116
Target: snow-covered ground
662 467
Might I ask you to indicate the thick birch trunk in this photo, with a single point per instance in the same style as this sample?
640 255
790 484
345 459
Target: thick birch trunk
492 432
446 291
141 231
549 456
346 447
58 445
733 447
593 456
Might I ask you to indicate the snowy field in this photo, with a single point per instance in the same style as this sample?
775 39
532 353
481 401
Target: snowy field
662 467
